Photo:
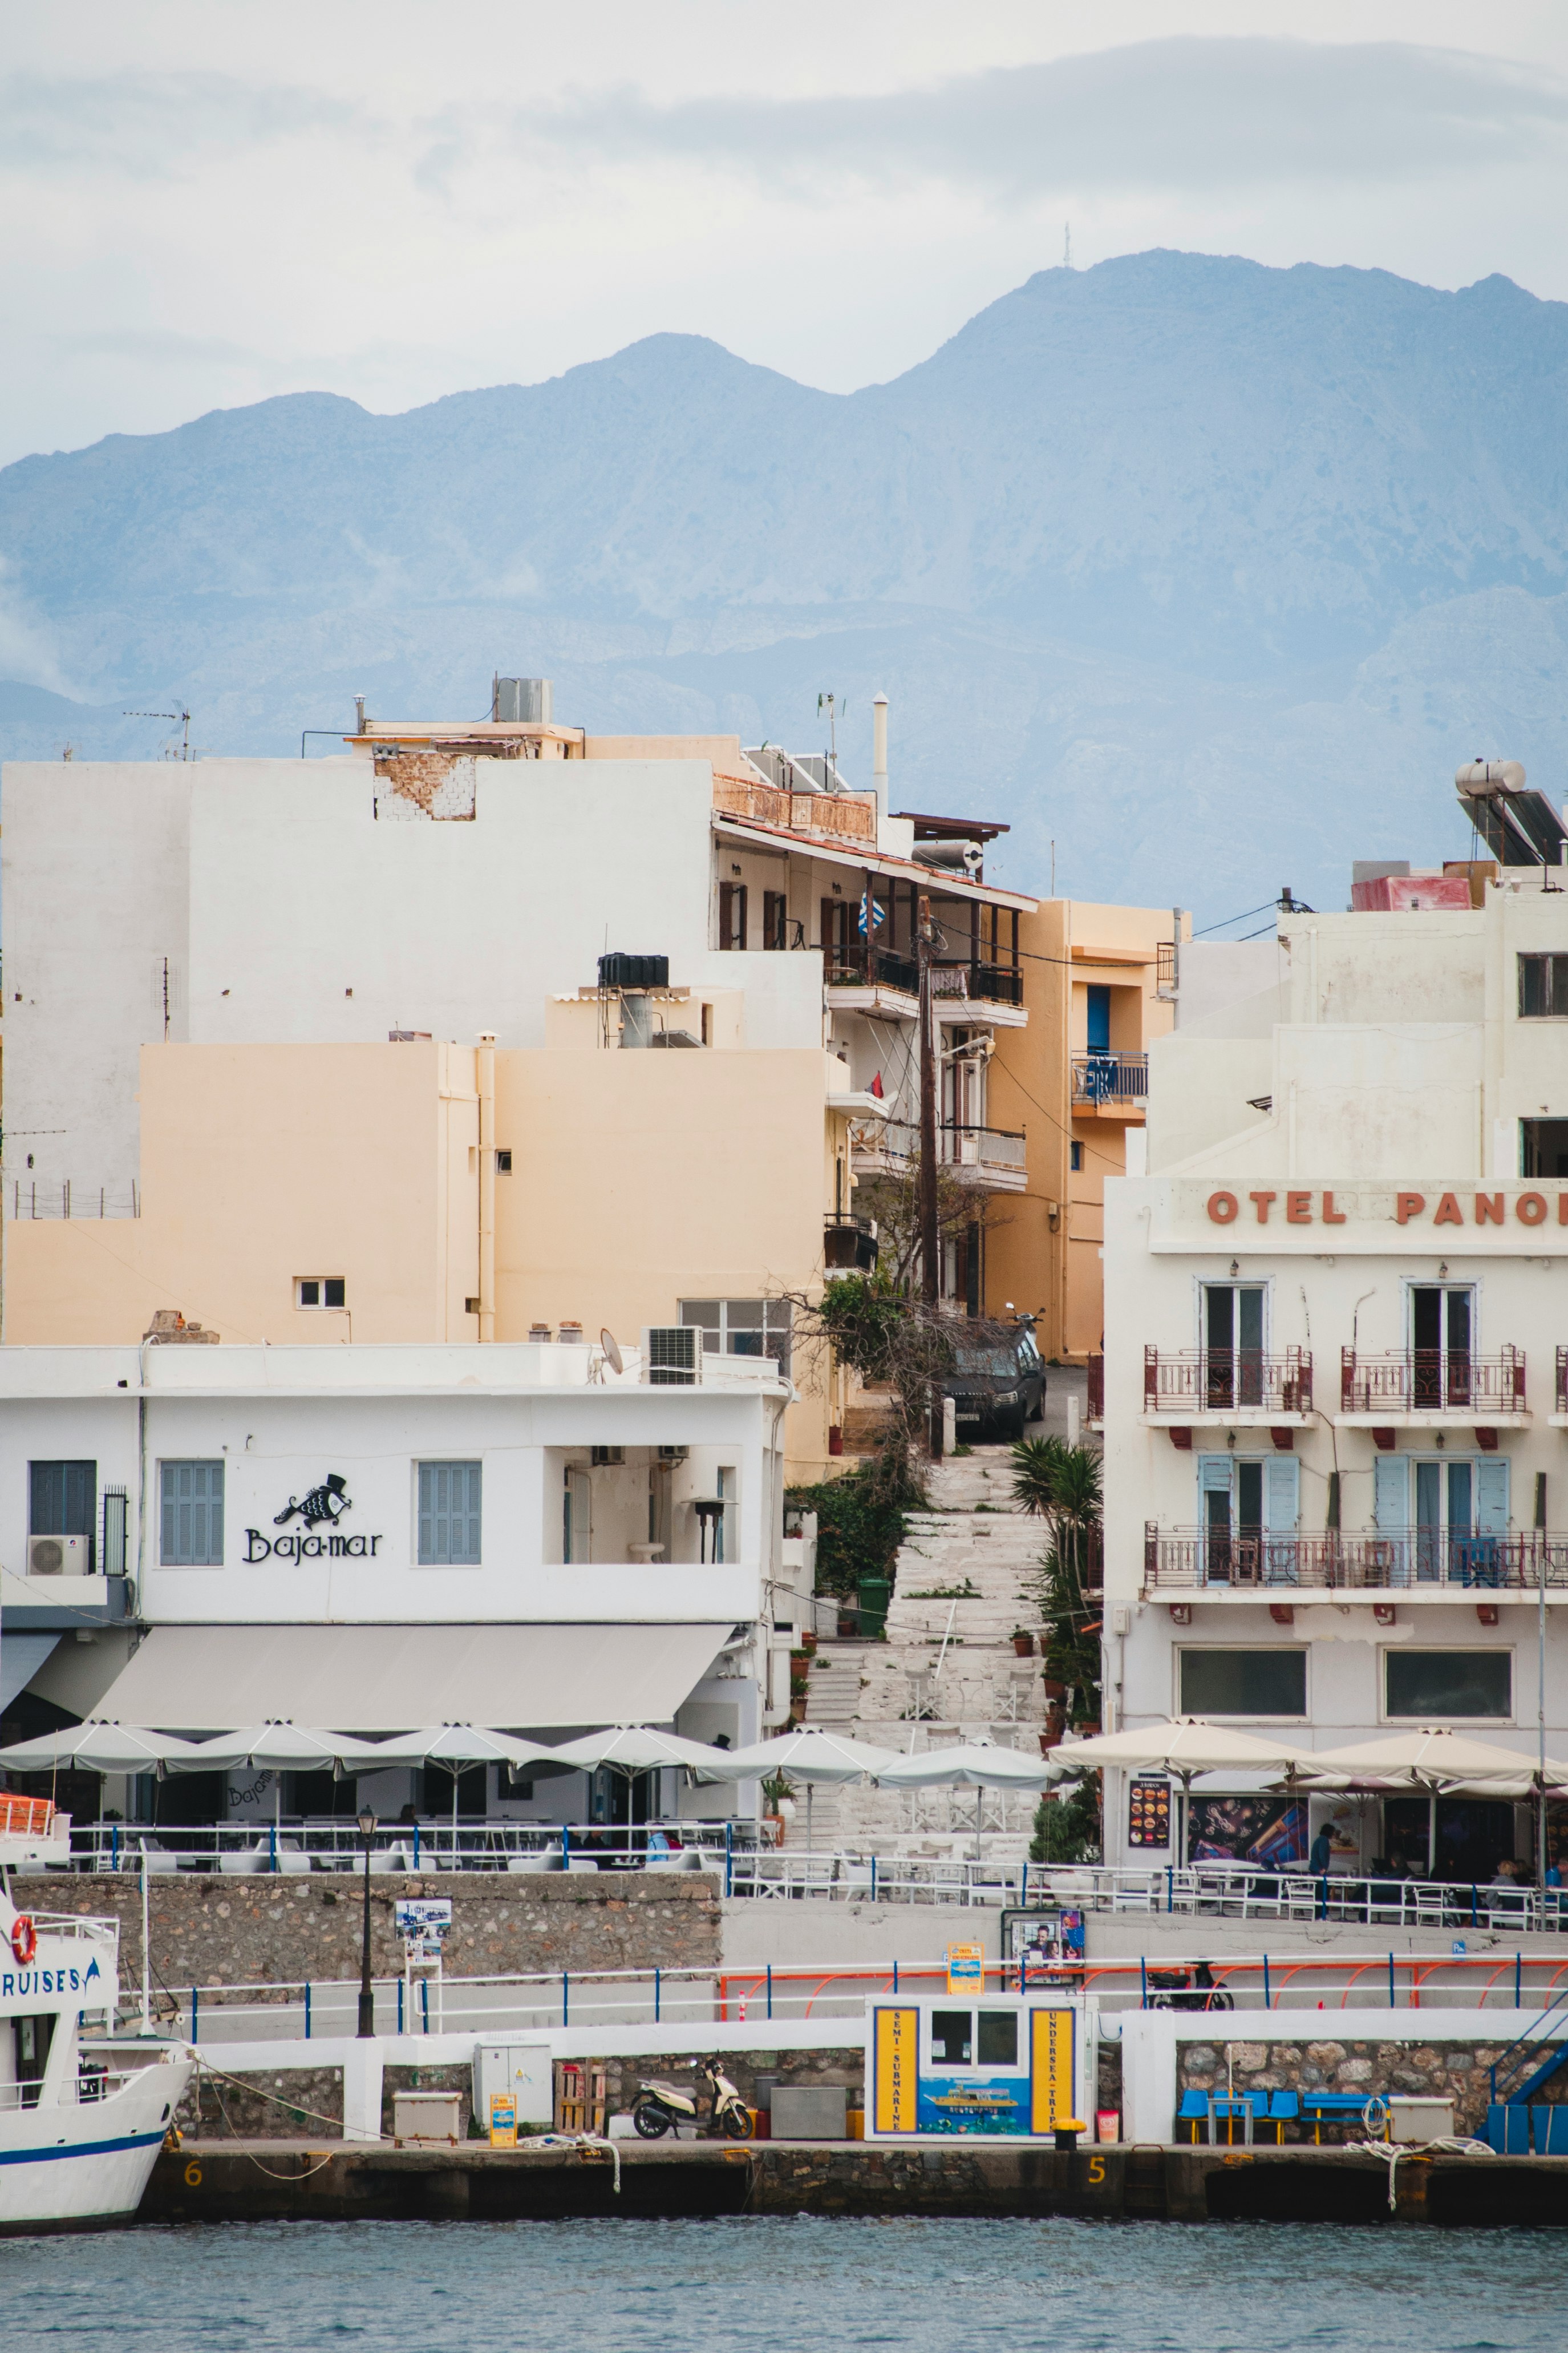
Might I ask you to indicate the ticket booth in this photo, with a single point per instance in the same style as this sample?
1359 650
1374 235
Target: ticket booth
1009 2067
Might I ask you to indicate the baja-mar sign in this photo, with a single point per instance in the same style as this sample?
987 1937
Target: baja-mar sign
323 1506
1311 1207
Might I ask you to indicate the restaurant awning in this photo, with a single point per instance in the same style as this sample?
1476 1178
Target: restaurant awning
378 1679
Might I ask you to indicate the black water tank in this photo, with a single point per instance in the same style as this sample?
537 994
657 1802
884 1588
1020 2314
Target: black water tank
620 971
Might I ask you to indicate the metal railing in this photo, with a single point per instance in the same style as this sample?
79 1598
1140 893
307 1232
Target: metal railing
1226 1380
1094 1393
959 1145
1247 1891
1431 1380
859 966
1354 1561
1110 1078
300 1844
996 984
1561 1378
65 1198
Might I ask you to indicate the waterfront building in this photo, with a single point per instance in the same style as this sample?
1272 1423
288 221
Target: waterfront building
1336 1359
371 1537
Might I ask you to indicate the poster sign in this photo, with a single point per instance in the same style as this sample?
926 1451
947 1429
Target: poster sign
1050 2068
966 1969
422 1922
1047 1945
1268 1829
1148 1810
897 2049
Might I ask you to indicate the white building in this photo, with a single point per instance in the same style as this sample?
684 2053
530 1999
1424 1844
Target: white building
1336 1367
372 1539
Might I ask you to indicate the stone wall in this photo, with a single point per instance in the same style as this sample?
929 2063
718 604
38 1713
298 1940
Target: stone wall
1445 2070
208 1930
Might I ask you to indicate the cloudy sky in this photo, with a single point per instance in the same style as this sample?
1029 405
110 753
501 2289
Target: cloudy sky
204 201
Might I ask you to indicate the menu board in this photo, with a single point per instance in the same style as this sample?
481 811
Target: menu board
1149 1811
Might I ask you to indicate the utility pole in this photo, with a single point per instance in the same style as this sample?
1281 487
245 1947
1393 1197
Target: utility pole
931 1244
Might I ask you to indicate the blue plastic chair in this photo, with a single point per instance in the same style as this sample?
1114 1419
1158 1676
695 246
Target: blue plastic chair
1284 2108
1508 2129
1551 2130
1194 2111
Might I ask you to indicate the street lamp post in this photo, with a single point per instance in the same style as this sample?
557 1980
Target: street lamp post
366 1991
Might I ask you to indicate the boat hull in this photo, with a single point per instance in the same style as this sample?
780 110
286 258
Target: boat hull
83 2167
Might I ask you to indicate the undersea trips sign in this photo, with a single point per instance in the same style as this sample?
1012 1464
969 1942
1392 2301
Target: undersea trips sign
320 1508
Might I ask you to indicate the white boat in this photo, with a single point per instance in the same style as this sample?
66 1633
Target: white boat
81 2122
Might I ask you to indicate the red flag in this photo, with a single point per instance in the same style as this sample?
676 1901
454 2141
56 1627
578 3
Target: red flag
875 1087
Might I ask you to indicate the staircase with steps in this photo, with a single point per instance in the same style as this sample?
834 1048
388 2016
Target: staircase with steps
947 1670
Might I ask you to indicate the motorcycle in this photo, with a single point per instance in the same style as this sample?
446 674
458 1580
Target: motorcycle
1184 1990
659 2107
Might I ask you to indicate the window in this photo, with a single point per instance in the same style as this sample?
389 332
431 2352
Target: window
606 1457
503 1164
1075 1156
967 2038
1243 1682
449 1514
742 1327
1543 1147
732 914
62 1501
1543 987
319 1290
1432 1685
1098 1019
1232 1343
190 1518
1442 1329
1248 1506
776 919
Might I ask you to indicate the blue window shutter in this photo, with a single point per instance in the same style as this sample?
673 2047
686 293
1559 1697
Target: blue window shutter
1391 1493
1214 1474
449 1515
468 1473
428 1551
1491 1497
1098 1032
1282 1492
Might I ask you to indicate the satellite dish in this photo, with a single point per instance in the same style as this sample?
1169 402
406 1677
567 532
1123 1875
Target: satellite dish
612 1352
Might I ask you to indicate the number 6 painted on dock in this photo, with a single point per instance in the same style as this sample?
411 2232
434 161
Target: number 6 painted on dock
193 2175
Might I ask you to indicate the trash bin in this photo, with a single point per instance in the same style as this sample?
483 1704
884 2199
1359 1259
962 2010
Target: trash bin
874 1593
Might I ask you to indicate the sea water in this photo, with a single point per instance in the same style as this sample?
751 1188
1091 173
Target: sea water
774 2287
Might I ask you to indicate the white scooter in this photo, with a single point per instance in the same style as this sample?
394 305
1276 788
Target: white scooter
659 2107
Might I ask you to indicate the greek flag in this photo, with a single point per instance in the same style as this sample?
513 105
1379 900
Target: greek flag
872 915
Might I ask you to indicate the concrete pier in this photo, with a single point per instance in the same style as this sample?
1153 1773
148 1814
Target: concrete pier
216 2181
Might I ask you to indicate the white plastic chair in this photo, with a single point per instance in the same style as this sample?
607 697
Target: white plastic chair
235 1862
548 1859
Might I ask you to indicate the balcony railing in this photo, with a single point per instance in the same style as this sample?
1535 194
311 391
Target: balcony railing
858 967
1226 1380
1111 1078
1432 1380
1094 1401
1561 1378
848 817
1370 1560
996 984
848 1243
958 1146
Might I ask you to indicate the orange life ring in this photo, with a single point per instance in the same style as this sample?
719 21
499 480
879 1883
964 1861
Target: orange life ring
24 1937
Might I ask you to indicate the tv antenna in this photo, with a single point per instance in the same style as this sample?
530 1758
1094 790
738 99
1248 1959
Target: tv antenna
179 718
835 709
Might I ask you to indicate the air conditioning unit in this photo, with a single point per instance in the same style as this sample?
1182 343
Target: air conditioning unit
673 1453
59 1556
672 1355
606 1457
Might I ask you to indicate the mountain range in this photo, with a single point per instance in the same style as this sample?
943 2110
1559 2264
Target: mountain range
1206 574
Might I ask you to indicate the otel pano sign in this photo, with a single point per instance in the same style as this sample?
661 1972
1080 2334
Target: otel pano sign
1487 1208
324 1506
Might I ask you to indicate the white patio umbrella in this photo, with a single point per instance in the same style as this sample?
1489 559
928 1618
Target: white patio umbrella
976 1765
277 1748
637 1748
1431 1760
95 1748
1182 1745
452 1746
808 1756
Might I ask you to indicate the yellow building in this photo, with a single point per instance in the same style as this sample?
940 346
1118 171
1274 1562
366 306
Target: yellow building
1098 986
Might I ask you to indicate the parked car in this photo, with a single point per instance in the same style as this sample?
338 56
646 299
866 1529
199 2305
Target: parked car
997 1387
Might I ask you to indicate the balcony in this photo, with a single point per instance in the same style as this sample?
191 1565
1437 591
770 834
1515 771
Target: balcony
848 1246
1110 1083
841 817
1423 1385
851 973
981 984
1196 1385
990 1157
1417 1561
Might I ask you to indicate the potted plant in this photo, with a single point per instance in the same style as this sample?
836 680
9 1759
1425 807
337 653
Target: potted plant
778 1802
1023 1641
